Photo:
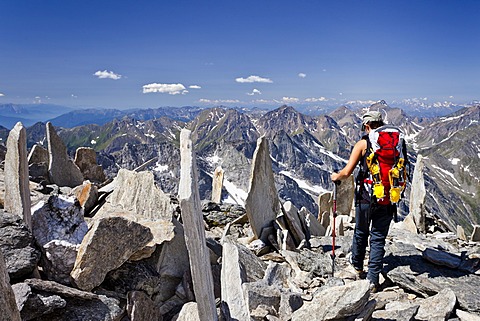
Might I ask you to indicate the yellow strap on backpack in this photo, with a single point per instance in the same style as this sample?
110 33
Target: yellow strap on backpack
397 175
374 168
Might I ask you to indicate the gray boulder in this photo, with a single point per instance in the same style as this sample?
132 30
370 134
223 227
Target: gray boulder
86 160
7 297
59 218
46 301
437 307
105 248
17 245
338 302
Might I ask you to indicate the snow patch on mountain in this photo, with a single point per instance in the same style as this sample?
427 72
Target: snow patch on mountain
236 194
454 161
215 159
446 174
160 168
303 184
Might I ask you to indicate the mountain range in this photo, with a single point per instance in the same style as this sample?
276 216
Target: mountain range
304 149
65 116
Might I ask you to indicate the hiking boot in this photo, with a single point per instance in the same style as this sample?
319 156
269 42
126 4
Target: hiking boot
373 287
360 273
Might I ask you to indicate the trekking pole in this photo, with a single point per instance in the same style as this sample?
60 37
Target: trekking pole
334 226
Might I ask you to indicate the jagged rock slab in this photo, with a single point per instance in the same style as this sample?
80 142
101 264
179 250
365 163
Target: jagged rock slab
8 306
217 185
465 316
172 262
325 203
338 302
17 191
405 266
61 169
293 221
38 164
86 160
345 196
105 248
16 243
312 224
442 258
437 307
194 230
239 265
400 312
38 155
46 300
417 196
262 204
136 193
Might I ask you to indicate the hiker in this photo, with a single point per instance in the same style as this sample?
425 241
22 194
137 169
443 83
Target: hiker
378 212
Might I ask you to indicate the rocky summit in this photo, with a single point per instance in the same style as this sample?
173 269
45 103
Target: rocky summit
121 248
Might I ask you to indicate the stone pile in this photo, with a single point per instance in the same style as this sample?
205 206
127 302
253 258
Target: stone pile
144 255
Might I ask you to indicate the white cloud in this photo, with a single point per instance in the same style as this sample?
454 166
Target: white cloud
171 89
263 101
316 100
302 75
251 79
451 97
218 101
107 75
194 87
2 95
255 92
289 100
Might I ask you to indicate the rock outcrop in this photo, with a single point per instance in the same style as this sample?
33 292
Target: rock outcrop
17 191
417 196
195 230
7 297
86 160
61 169
262 203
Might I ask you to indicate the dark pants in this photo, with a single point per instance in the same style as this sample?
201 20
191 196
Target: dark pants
380 218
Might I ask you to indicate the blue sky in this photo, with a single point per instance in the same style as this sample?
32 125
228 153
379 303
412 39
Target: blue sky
127 54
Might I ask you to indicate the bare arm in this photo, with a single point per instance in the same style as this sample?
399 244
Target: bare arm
357 152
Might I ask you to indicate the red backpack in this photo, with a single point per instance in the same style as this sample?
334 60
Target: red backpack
386 159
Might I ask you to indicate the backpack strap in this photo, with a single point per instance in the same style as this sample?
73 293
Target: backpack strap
361 193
